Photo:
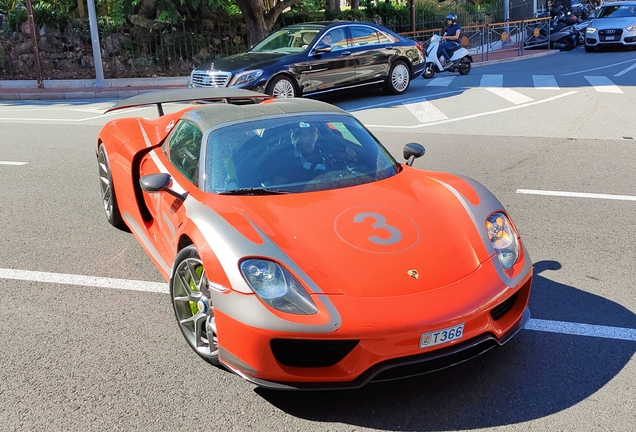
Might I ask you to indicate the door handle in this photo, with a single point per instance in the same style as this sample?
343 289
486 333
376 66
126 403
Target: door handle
390 47
346 53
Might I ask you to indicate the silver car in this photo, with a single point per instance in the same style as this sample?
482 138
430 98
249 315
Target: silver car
613 25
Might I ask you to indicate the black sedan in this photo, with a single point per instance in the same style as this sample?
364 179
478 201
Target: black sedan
318 57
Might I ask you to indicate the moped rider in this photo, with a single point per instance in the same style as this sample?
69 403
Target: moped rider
450 39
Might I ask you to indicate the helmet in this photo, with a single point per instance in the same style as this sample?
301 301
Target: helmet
452 17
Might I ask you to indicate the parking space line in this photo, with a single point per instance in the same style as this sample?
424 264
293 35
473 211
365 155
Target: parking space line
562 327
624 71
577 194
92 281
12 163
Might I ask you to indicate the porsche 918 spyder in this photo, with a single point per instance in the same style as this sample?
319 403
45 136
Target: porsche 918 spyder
299 253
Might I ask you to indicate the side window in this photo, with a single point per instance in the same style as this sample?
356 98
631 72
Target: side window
184 149
335 38
363 35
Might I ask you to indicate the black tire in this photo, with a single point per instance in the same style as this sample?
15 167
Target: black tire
570 43
399 78
193 310
429 71
109 199
281 87
464 66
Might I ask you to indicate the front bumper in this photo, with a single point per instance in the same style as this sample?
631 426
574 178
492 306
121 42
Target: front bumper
610 37
364 349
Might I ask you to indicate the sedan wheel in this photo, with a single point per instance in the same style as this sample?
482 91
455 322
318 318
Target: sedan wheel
281 87
192 304
399 78
109 200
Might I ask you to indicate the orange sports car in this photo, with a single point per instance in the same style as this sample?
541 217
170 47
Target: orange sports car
299 253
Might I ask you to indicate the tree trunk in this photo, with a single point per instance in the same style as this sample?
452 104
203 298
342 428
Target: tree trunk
81 9
148 9
259 23
355 4
330 5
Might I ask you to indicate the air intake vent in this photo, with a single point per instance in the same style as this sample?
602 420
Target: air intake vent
311 353
498 312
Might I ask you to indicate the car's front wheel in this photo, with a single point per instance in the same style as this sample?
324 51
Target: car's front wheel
399 78
192 304
109 200
281 87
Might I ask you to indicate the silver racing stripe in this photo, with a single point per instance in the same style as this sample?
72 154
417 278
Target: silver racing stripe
488 204
141 234
230 246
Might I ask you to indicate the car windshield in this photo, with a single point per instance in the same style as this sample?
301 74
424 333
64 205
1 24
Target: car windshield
621 11
287 40
293 154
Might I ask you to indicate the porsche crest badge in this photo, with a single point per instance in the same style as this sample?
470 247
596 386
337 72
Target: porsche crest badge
413 273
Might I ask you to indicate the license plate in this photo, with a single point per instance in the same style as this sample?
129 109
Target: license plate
441 336
609 37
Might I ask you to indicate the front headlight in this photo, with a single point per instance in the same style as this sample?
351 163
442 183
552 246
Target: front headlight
503 238
630 28
277 287
590 30
245 77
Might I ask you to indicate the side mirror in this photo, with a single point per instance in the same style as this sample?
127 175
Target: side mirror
413 151
321 48
152 183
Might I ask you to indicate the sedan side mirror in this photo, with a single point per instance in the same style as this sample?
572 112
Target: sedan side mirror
152 183
321 48
413 151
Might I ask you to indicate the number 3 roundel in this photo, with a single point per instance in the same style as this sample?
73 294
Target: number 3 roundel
376 229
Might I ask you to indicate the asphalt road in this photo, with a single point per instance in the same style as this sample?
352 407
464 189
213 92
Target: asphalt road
88 357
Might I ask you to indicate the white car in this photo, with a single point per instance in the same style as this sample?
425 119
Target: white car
614 25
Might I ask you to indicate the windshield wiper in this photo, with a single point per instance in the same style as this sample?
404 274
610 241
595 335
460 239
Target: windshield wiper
253 191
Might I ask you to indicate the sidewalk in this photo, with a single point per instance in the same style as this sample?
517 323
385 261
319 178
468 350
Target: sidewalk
125 88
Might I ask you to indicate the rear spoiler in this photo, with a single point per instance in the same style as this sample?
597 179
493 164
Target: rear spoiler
224 95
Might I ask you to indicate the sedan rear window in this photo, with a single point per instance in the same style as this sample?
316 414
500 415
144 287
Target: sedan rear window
294 154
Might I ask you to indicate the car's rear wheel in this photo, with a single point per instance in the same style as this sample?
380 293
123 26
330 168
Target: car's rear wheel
192 305
399 78
109 200
281 87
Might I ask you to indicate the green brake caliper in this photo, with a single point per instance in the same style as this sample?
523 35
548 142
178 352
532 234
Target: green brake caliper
194 308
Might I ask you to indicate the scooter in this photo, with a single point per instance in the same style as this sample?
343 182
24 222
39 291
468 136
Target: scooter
459 56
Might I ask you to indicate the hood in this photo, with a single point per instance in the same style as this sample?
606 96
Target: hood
399 236
238 62
613 23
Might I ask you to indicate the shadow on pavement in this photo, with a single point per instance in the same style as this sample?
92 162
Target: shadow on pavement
533 376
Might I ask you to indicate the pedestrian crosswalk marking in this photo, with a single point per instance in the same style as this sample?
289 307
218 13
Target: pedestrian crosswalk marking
603 84
510 95
440 82
491 81
425 111
545 82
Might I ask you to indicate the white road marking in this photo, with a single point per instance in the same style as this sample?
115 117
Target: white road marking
510 95
598 68
12 163
494 84
92 281
401 102
545 82
577 195
603 84
440 82
561 327
472 116
624 71
69 120
491 81
425 112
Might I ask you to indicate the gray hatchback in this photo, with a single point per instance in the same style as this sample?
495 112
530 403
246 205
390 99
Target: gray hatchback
614 25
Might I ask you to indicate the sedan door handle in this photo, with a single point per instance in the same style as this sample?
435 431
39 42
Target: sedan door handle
390 47
346 53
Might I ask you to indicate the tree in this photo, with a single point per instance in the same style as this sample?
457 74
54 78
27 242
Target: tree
258 20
